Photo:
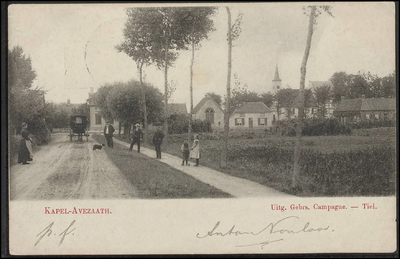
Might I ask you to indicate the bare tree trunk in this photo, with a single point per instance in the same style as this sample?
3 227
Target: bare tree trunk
224 153
166 91
299 126
144 106
191 97
127 131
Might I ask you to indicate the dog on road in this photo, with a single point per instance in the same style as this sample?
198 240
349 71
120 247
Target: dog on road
98 146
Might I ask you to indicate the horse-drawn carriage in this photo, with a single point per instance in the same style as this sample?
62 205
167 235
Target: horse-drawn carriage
78 124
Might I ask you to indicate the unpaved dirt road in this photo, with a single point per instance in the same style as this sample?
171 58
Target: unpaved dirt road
69 170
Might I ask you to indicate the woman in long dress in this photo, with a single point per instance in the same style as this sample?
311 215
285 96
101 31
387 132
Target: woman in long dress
25 153
195 150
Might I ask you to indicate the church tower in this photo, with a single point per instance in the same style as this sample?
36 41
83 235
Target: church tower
276 82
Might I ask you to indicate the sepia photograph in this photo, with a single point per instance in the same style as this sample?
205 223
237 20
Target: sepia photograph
202 128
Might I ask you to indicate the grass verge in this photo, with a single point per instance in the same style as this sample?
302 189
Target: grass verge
156 180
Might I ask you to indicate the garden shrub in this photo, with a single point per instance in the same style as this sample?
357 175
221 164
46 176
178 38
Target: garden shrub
315 127
179 124
14 146
368 124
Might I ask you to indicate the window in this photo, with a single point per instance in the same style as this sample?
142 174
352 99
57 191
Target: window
239 121
386 115
97 119
262 121
376 116
210 115
367 116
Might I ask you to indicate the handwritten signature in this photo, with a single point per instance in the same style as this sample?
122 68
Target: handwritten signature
48 231
271 228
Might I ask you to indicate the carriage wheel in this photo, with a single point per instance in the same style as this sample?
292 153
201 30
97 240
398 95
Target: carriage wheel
70 135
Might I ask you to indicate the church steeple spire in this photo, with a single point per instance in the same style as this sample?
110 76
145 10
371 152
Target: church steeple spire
276 82
276 78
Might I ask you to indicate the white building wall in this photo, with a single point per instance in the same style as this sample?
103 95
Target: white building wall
218 114
93 126
254 117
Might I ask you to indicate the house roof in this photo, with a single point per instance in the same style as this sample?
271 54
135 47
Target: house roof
320 83
253 107
367 104
378 104
203 102
176 108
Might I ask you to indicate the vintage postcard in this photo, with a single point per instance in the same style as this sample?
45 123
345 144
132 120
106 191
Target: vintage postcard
218 128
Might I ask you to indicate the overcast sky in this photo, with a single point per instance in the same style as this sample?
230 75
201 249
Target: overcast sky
64 41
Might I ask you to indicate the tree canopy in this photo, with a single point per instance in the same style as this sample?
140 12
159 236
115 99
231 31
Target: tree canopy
20 72
364 83
216 97
121 101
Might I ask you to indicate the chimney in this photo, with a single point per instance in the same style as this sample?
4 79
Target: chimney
68 101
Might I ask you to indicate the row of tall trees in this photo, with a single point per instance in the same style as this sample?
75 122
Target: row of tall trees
155 35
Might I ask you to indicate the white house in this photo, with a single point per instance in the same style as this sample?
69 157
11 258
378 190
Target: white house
208 110
252 115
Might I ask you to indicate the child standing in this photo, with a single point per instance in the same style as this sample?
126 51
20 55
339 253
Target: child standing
185 152
195 150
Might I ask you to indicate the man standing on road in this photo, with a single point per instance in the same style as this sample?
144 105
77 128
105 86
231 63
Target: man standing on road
108 133
157 141
136 137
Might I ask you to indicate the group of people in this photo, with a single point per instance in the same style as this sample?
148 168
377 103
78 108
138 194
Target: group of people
193 152
137 135
25 154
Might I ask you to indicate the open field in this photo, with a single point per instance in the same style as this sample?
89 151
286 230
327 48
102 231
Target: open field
363 163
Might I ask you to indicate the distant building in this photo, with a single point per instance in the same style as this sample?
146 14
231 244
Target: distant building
364 109
276 82
329 106
97 122
291 112
208 110
252 115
